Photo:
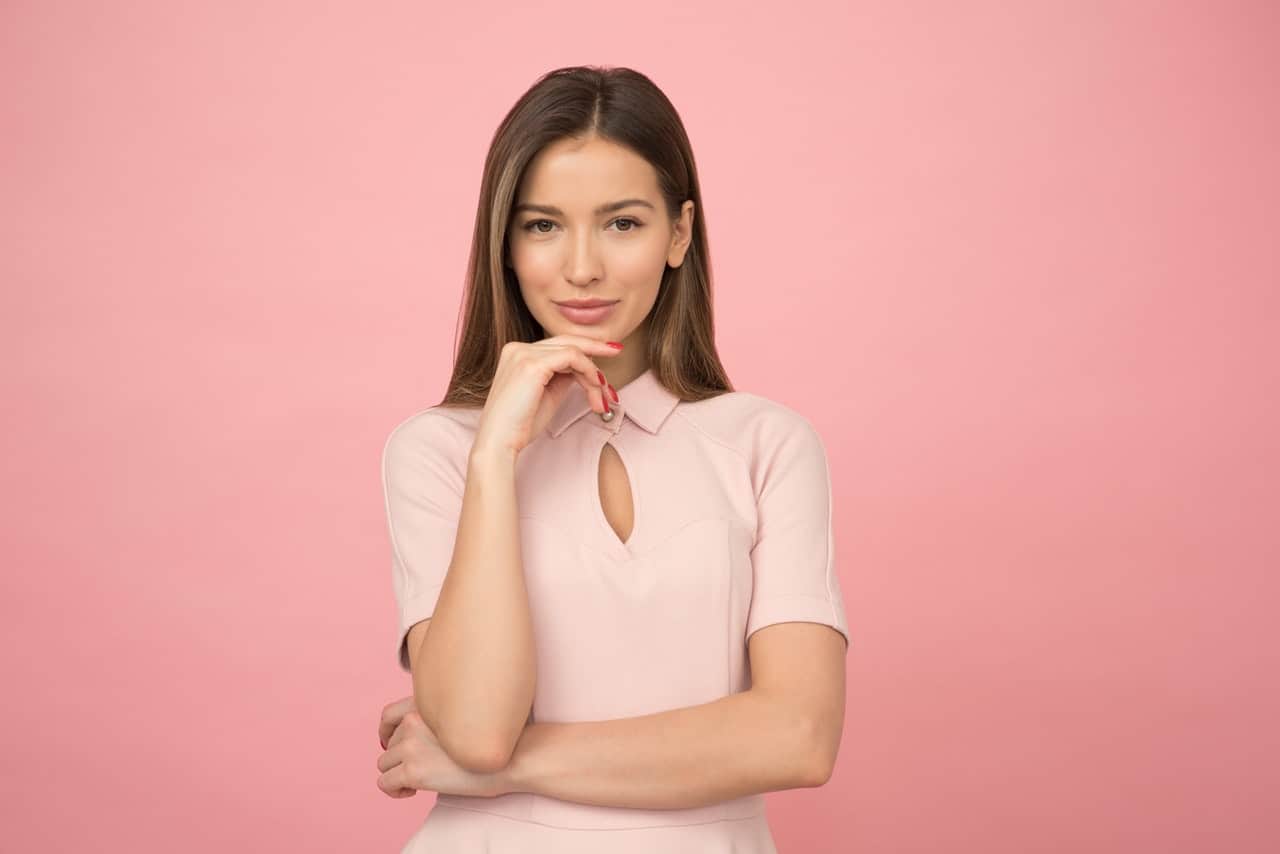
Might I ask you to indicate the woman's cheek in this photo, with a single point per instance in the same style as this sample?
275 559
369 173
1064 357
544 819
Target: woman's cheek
637 262
537 269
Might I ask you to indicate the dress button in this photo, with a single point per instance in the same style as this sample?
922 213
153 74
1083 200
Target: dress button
607 416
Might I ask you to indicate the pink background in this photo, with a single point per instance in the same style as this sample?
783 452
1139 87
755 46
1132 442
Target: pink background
1017 262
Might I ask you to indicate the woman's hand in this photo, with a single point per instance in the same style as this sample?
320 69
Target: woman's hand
530 383
413 759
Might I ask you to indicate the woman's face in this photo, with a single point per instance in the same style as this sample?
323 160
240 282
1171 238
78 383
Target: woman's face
570 241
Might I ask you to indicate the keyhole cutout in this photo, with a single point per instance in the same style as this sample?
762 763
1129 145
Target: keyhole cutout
615 493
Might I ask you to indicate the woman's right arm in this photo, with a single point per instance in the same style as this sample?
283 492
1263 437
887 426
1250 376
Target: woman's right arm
473 675
474 671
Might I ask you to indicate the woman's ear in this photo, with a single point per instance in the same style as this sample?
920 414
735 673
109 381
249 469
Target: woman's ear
682 235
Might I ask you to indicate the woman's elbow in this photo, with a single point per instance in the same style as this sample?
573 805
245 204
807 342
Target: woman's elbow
481 750
480 756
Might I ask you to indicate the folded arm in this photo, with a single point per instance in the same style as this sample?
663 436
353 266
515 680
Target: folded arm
783 733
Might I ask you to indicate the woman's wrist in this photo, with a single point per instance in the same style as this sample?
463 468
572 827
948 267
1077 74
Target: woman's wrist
488 456
518 775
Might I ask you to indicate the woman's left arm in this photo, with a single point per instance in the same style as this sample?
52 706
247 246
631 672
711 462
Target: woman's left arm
782 733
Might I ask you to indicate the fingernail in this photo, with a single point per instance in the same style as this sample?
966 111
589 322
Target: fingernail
613 392
600 374
614 344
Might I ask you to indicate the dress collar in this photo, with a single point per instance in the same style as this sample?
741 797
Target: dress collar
644 400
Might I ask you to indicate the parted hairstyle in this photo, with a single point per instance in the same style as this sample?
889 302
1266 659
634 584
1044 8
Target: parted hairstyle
626 108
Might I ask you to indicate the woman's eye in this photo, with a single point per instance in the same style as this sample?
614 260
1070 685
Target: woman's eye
532 225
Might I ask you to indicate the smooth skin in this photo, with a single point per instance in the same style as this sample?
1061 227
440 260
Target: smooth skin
473 679
451 736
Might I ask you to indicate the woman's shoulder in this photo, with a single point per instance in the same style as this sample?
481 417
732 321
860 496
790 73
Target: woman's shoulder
746 420
438 430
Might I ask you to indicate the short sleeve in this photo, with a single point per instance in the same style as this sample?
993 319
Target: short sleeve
793 557
423 476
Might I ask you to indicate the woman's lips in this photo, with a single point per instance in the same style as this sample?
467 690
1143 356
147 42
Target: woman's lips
586 316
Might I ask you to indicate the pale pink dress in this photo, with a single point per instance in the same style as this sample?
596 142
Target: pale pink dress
732 533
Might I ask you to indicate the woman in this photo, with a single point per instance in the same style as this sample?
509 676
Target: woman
592 531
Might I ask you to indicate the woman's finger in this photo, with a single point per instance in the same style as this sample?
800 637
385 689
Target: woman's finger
592 346
394 780
390 758
567 358
392 714
548 360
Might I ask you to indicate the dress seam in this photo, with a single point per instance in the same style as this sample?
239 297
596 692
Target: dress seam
743 457
753 815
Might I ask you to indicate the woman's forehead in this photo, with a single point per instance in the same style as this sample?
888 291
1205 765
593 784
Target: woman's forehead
577 177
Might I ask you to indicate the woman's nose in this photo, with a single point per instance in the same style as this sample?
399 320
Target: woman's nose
583 263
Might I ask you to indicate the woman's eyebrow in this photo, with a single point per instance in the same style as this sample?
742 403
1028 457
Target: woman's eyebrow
603 209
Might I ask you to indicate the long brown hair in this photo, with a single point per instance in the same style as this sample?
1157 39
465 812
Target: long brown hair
626 108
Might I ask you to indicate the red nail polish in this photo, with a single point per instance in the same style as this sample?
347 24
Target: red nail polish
600 374
613 392
614 344
606 404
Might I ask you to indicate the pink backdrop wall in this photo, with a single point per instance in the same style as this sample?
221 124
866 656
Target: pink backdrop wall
1017 262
